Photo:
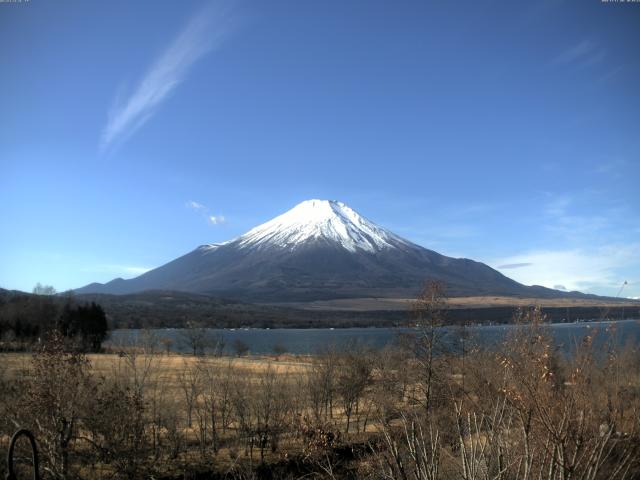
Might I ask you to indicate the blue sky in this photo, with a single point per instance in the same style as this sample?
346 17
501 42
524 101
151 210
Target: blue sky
506 132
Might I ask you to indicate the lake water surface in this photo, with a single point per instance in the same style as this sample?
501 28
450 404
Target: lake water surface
312 340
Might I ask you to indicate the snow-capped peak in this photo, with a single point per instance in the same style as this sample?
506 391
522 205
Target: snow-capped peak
321 219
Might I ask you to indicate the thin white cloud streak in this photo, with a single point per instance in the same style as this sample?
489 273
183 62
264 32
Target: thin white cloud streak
135 270
575 52
204 32
584 54
204 211
513 265
195 205
587 270
558 205
126 270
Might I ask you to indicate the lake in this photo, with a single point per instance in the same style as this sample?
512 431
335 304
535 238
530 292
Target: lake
313 340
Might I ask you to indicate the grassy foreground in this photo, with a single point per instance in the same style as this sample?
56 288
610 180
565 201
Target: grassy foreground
412 411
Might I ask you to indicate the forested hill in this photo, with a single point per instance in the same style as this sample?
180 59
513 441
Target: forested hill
25 318
163 309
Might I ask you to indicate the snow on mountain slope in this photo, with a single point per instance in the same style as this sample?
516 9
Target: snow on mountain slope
316 251
321 219
210 247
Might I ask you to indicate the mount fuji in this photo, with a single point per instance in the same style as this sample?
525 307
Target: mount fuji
319 250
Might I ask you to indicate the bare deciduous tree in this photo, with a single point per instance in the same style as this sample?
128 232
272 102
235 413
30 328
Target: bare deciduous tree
58 390
189 380
428 311
116 429
353 376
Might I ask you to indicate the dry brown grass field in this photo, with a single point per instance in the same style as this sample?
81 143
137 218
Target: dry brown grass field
169 366
165 373
381 304
521 412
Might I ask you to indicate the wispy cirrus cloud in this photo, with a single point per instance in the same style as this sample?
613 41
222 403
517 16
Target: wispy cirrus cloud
121 270
586 218
195 205
204 211
514 265
592 244
557 205
131 269
583 54
597 269
205 31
